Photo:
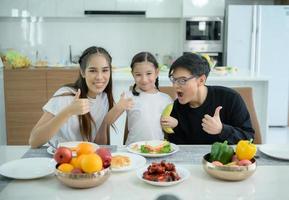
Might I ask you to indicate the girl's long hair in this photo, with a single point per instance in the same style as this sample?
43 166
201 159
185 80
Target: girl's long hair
142 57
86 121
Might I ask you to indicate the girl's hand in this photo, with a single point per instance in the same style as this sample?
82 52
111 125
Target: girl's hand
213 125
79 106
125 103
169 122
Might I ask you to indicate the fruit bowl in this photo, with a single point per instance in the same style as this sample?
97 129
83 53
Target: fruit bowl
83 180
229 173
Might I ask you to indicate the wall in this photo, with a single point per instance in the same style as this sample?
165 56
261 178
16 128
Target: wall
122 36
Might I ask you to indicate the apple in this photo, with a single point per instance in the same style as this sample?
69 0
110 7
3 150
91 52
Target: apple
76 171
63 155
105 155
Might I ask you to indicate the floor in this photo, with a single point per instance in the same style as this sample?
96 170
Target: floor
278 135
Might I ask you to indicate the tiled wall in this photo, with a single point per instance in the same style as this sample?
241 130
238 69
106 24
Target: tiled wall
122 36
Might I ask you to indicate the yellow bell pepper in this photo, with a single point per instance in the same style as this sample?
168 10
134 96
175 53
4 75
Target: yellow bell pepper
245 150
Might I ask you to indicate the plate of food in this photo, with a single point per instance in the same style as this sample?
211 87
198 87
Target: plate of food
28 168
123 161
280 151
163 174
153 148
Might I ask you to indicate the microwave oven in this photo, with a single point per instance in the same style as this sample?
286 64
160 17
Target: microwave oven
203 34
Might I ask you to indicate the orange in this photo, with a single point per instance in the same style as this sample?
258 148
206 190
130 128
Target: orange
84 148
91 163
65 167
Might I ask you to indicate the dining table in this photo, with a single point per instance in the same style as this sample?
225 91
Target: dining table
270 180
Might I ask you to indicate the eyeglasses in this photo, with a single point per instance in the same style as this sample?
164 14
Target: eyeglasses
180 81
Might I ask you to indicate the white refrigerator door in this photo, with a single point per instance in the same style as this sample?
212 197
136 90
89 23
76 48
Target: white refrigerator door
273 59
239 37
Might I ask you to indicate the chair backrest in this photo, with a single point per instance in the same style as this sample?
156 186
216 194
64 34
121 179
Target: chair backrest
247 95
165 89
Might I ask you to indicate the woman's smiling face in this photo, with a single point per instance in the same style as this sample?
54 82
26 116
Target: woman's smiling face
97 74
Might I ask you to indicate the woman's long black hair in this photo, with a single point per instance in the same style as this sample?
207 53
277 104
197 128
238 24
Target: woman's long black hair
86 121
144 57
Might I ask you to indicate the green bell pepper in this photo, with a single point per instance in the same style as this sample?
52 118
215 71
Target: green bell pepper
221 152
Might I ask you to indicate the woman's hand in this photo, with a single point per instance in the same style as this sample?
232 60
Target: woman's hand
79 106
125 103
213 125
169 122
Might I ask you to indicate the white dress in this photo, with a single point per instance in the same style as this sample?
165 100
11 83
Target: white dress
144 117
70 130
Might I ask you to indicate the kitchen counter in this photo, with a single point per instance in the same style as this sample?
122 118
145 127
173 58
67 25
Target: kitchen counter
270 181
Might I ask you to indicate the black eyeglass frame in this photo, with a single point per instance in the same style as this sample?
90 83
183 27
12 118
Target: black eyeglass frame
182 80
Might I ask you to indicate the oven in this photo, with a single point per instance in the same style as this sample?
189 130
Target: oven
204 35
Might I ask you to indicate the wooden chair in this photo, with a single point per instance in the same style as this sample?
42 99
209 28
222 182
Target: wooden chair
247 96
165 89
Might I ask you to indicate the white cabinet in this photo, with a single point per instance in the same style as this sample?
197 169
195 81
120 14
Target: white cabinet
164 9
70 8
131 5
99 4
193 8
43 8
13 8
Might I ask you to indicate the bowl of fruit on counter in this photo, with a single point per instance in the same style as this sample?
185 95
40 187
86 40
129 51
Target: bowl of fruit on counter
88 168
223 162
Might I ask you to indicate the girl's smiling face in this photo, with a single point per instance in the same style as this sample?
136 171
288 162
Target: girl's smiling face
187 86
145 75
97 74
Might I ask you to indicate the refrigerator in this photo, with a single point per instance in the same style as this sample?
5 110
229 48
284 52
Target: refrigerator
257 42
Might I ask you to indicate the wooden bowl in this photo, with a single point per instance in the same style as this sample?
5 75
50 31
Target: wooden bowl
83 180
229 173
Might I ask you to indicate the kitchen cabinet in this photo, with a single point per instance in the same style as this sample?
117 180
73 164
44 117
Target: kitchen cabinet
70 8
43 8
25 94
13 8
131 5
57 78
164 9
26 91
193 8
99 5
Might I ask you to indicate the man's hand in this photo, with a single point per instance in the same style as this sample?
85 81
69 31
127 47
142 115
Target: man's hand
213 125
169 122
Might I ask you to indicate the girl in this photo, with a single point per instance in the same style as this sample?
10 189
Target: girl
205 114
78 111
145 103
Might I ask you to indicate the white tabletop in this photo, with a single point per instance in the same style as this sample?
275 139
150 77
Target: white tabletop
268 182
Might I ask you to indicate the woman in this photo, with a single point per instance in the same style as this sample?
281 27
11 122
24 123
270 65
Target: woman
79 111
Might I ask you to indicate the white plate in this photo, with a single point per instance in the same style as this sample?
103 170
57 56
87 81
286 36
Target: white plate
136 161
28 168
183 173
152 143
280 151
50 150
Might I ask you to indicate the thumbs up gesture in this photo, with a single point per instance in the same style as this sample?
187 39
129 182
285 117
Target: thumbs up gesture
125 103
213 125
79 106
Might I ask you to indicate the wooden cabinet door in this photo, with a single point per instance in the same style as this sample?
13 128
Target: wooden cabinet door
25 94
58 78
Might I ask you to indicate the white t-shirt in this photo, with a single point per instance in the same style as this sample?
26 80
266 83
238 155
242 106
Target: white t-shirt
70 131
144 117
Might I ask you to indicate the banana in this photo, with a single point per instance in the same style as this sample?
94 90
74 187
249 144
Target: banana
207 57
167 112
